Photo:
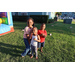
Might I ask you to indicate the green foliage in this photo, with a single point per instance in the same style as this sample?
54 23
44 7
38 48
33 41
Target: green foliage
37 18
58 13
40 18
50 20
55 18
20 18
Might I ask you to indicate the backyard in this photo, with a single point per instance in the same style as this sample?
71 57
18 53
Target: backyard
60 47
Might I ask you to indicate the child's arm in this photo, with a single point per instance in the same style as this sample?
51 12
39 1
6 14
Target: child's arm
44 35
28 38
38 39
27 34
31 35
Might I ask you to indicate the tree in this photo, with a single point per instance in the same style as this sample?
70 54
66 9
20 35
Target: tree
58 13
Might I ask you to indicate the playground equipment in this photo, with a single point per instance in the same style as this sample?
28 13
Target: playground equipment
6 23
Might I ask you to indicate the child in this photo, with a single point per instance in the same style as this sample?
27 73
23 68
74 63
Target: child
43 34
26 36
34 39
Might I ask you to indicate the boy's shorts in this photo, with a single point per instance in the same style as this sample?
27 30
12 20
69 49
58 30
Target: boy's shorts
41 44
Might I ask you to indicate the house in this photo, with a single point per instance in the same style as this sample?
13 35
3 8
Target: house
68 14
51 14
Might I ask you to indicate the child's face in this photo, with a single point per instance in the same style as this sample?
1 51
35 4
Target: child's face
34 31
30 23
43 26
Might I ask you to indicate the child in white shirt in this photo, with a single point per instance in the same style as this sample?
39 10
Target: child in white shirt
35 38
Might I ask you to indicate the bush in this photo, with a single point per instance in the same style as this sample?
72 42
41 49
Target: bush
37 18
20 18
50 20
40 18
58 13
55 18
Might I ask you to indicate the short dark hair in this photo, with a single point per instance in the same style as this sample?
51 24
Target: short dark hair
32 20
43 24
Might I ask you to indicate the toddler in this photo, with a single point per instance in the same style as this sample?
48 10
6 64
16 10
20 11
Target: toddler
35 38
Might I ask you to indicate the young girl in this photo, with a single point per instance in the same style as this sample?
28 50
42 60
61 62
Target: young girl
43 34
26 36
34 41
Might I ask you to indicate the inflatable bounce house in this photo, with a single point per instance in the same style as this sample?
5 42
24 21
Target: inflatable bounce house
6 23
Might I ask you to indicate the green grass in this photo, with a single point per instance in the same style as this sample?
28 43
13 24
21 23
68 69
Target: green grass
58 47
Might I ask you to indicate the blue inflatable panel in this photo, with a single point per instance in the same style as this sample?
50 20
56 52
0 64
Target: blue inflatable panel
4 28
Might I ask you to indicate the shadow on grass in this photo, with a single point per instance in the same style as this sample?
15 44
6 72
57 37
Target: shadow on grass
11 49
19 25
15 51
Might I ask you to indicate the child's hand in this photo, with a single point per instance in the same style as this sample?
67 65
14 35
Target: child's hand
35 39
42 34
27 35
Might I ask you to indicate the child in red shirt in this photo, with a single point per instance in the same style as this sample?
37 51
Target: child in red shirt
43 34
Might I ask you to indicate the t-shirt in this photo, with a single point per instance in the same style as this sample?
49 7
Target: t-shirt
33 42
41 37
27 30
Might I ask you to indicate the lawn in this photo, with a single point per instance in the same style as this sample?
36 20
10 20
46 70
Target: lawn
60 47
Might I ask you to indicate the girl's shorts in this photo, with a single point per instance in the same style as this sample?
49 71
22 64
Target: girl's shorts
41 44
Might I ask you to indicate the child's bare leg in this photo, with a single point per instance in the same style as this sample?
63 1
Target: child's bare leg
41 49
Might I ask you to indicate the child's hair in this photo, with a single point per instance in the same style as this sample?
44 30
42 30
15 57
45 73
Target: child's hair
43 24
35 28
32 20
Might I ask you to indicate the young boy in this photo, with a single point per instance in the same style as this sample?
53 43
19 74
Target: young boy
43 34
34 42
